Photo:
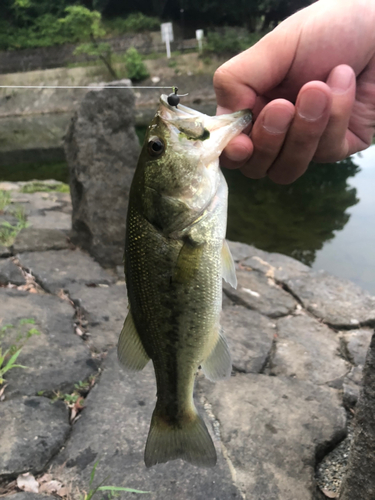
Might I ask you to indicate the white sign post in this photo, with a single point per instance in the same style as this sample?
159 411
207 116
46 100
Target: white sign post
167 36
200 35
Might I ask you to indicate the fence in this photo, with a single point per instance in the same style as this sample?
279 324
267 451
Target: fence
14 61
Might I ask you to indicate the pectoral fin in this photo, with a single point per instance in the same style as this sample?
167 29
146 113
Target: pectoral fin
130 350
188 262
228 269
218 365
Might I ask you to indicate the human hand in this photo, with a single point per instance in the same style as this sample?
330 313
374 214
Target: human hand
311 85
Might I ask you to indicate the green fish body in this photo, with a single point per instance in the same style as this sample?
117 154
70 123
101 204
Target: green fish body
175 258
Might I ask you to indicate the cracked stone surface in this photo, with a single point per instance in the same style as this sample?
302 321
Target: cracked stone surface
124 402
250 337
33 239
10 273
105 309
32 432
272 429
55 358
31 496
269 431
55 269
308 350
338 302
256 291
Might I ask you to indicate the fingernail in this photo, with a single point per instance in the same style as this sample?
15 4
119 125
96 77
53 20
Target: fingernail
277 120
220 110
341 79
312 104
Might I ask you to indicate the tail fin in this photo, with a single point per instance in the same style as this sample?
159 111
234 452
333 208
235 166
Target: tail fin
188 439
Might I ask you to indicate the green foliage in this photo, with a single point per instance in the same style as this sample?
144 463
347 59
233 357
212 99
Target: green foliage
134 23
36 186
6 365
229 41
111 491
9 357
9 231
82 23
135 67
4 199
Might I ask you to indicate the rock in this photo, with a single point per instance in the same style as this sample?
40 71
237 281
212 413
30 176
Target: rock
240 251
5 252
308 350
272 430
10 273
32 239
357 344
35 431
55 358
256 291
102 150
114 427
360 479
51 220
275 265
338 302
32 496
250 338
105 309
55 269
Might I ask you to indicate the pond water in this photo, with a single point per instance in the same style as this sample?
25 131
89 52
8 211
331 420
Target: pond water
325 219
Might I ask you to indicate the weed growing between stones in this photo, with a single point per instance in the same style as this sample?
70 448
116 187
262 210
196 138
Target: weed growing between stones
110 491
9 357
9 231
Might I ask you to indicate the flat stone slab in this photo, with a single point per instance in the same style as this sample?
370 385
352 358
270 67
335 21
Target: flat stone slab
24 495
32 239
307 349
256 291
338 302
272 430
54 356
105 309
10 273
114 427
51 220
5 251
33 431
55 269
250 337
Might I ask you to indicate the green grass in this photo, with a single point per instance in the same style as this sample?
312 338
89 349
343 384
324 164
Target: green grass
47 188
8 231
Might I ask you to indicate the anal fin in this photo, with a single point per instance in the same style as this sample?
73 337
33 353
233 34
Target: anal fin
130 350
218 365
227 263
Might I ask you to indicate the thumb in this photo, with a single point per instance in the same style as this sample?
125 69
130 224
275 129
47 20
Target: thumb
257 70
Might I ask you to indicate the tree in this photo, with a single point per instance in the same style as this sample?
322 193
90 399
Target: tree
85 24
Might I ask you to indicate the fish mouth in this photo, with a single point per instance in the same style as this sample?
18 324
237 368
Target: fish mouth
211 133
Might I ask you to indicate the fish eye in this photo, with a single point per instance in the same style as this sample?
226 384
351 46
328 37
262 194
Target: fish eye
155 146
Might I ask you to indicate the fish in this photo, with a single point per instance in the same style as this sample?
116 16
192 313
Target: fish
175 258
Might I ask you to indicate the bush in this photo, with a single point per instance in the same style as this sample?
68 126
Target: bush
229 41
135 67
134 23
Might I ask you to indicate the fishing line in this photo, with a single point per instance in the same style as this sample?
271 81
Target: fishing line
173 98
78 87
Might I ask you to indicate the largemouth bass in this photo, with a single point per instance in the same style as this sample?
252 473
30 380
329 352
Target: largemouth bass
175 258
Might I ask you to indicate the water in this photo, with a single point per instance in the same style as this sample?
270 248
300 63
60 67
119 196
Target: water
325 219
